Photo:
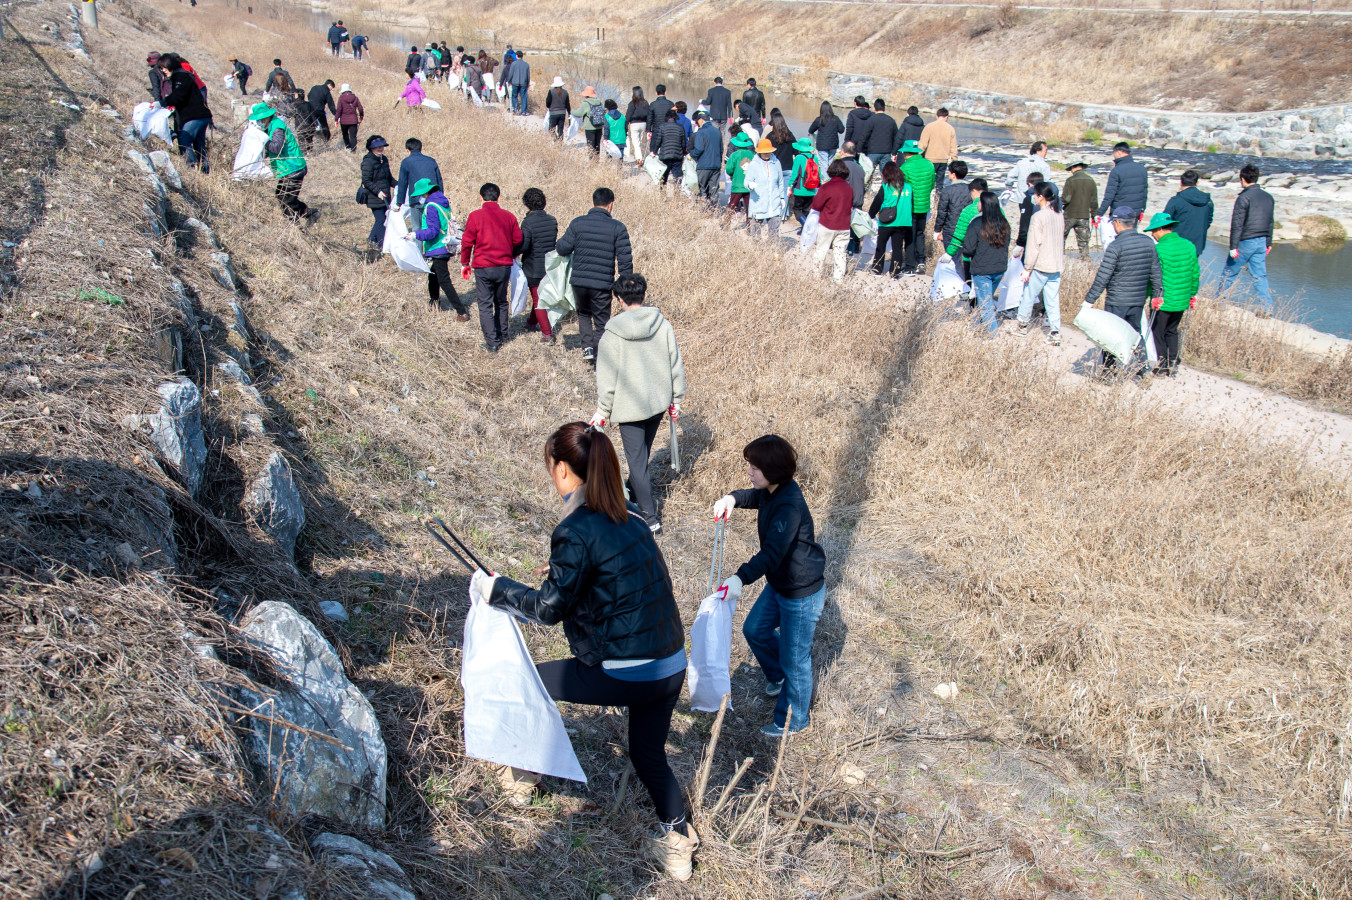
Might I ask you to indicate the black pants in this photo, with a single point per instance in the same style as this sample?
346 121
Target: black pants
490 285
800 207
593 312
1165 329
349 136
243 82
377 235
288 195
674 167
650 706
335 48
897 234
914 241
593 140
322 125
556 123
708 184
439 282
1132 316
637 438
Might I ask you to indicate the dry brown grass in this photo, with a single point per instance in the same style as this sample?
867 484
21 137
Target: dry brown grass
982 523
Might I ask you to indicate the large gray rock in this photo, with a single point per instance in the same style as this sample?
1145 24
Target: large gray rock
176 431
275 503
378 872
164 166
345 783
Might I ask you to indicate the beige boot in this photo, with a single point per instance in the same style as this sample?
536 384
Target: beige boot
675 852
518 784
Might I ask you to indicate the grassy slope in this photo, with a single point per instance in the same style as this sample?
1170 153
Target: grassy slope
1171 62
1150 619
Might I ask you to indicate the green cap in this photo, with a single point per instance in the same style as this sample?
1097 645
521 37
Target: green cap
1160 220
803 144
741 140
260 112
910 147
423 186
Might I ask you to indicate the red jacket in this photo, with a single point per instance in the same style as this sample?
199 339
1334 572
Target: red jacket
834 203
349 108
492 237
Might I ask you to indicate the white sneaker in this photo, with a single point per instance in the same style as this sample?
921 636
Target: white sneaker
1054 339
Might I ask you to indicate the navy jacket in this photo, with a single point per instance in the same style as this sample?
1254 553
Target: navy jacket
790 558
707 147
1128 185
719 101
1193 211
415 167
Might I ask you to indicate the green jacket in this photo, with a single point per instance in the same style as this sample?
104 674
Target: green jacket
734 168
799 173
639 372
291 159
919 174
1181 272
616 128
583 112
965 218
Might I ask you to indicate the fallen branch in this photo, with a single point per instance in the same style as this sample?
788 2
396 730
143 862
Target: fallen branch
751 808
914 734
727 791
958 853
702 782
326 738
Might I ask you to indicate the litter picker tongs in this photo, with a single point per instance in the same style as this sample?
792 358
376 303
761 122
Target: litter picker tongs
716 564
477 564
675 444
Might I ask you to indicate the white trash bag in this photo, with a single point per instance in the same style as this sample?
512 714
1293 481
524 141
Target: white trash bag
140 118
1106 231
407 254
690 177
509 717
1011 286
571 130
1108 332
947 283
1152 355
249 161
861 224
654 167
709 670
429 103
160 124
808 238
611 149
229 82
518 290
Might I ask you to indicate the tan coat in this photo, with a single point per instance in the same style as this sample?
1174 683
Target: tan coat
1046 250
939 142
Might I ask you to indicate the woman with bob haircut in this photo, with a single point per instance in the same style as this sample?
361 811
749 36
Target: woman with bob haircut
780 627
608 584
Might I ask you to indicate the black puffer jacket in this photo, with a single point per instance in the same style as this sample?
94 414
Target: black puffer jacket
657 112
598 245
882 135
1252 216
1129 272
955 197
857 126
1128 185
539 232
909 129
609 586
984 258
790 558
669 142
376 178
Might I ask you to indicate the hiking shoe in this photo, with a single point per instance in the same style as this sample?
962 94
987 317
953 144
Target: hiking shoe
1024 329
772 688
588 355
775 732
489 347
518 784
674 851
1054 339
655 528
462 317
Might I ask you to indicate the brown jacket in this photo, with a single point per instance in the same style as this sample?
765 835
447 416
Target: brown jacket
350 111
939 142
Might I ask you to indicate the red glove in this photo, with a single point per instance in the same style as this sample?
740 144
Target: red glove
1234 254
1192 304
1268 250
466 273
1094 221
1156 302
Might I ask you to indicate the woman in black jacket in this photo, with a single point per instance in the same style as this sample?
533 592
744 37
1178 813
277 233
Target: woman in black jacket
636 118
794 567
782 137
608 584
539 233
827 128
987 248
192 116
378 182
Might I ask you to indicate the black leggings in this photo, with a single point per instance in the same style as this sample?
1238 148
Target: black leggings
650 705
439 281
896 234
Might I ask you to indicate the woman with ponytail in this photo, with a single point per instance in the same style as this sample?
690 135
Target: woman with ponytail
1043 260
608 585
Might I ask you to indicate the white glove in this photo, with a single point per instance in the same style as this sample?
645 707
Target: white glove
724 507
481 586
734 586
597 419
1087 305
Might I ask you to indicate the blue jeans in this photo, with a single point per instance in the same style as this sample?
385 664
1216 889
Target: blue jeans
1252 253
986 288
192 143
824 158
519 99
779 632
879 158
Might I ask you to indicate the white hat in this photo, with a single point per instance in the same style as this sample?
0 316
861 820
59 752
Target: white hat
344 89
558 81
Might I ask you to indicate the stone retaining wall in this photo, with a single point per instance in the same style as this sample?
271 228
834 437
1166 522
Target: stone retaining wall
1320 131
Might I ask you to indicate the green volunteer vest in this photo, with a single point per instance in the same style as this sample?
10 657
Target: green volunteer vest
617 129
291 159
442 218
894 198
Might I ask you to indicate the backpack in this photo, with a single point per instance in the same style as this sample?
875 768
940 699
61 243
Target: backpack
597 114
812 177
248 71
